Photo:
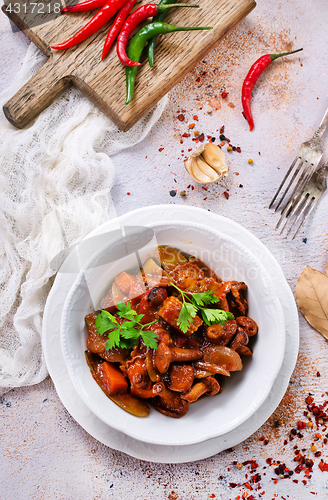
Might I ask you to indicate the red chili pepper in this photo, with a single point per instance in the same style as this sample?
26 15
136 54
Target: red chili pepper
137 17
252 76
97 22
84 6
117 25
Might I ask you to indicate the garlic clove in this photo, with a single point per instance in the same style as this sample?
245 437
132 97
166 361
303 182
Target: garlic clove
214 156
207 170
193 169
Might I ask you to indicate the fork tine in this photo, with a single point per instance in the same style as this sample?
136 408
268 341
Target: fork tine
285 216
289 207
283 181
307 203
315 201
302 182
297 170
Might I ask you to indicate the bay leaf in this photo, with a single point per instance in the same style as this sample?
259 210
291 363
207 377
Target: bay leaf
312 298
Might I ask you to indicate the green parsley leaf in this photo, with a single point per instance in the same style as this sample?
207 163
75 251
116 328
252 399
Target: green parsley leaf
187 313
113 339
149 339
125 311
215 316
124 335
128 331
105 321
194 302
127 343
202 298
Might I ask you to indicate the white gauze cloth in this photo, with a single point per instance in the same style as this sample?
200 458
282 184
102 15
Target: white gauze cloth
60 167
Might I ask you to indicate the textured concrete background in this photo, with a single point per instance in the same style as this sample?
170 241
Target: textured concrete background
45 453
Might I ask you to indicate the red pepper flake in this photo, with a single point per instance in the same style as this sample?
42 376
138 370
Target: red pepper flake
222 130
198 79
181 118
201 137
238 149
205 198
128 193
224 95
309 400
212 495
185 134
195 117
248 486
232 485
192 188
226 194
160 149
323 466
318 374
301 425
205 188
241 185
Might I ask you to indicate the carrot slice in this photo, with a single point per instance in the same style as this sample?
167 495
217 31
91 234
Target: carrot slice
125 400
111 379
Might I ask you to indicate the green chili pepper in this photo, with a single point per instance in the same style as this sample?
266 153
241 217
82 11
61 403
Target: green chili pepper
139 41
158 18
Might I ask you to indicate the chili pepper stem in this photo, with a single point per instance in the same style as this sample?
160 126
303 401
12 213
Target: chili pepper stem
275 56
163 8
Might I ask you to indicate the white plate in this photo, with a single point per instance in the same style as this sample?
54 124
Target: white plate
244 391
160 453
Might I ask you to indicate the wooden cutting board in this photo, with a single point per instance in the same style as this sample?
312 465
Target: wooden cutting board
104 81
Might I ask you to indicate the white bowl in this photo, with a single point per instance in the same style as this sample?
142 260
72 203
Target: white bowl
243 392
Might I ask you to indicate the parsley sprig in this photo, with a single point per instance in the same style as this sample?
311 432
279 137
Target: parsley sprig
126 334
194 303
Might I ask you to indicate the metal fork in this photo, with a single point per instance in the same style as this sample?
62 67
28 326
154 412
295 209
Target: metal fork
303 166
304 200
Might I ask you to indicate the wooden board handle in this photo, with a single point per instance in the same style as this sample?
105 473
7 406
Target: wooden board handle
38 93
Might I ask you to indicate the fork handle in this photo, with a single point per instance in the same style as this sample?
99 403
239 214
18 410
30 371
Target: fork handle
322 127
